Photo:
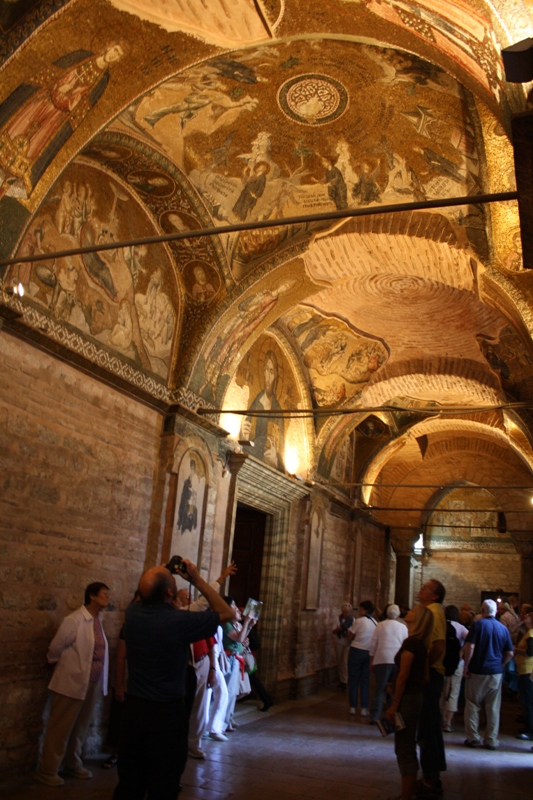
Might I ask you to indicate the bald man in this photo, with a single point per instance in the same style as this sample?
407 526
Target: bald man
153 747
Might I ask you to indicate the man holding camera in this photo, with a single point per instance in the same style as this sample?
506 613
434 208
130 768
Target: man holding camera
153 747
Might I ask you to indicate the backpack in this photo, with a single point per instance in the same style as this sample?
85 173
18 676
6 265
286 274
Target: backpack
453 650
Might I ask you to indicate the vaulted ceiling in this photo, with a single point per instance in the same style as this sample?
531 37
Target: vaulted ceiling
125 119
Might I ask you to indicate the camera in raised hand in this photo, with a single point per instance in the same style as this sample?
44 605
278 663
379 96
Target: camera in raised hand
177 566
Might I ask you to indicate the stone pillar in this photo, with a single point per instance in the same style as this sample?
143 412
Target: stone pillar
403 547
523 541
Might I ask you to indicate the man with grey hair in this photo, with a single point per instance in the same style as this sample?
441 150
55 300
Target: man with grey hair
488 648
387 639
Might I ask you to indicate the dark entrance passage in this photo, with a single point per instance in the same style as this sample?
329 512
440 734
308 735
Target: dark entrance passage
248 542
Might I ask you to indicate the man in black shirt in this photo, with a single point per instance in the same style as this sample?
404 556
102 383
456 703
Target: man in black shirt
153 746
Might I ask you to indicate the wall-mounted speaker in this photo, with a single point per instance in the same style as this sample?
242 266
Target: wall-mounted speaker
518 61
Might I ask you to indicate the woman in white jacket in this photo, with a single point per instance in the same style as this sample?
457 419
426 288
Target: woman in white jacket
79 650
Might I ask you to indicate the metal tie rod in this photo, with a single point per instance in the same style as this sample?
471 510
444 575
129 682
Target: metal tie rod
270 223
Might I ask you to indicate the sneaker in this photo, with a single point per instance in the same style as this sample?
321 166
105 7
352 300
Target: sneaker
428 791
352 711
48 780
525 736
447 727
218 737
78 772
196 752
488 746
472 743
364 712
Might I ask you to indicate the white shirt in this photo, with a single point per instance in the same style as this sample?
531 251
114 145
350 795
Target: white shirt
461 632
388 637
363 630
72 650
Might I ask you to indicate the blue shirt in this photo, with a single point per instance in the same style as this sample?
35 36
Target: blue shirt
157 648
491 640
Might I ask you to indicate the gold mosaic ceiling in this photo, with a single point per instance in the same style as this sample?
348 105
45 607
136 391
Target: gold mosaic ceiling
129 117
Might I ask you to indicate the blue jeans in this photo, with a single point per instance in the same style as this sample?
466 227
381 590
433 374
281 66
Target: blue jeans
358 676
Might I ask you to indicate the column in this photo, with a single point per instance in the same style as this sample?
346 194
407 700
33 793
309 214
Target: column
403 547
523 541
233 464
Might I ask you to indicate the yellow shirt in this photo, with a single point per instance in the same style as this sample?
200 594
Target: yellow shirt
524 664
439 632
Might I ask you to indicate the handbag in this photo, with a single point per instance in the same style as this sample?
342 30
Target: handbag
244 685
249 662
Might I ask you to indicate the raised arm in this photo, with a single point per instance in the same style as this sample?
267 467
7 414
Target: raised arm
212 596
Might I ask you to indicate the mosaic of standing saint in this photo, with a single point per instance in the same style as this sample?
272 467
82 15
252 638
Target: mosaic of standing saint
43 112
303 126
124 298
264 382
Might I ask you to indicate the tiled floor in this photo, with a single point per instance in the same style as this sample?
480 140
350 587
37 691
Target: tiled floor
312 749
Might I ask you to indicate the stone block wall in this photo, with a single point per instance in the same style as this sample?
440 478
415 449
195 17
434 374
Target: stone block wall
466 575
76 471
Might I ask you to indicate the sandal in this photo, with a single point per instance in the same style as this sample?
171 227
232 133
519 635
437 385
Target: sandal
110 762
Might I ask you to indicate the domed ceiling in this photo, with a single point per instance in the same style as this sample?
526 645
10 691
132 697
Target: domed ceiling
130 119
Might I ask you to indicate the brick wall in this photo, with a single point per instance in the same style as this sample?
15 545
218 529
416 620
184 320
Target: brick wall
307 657
76 471
466 575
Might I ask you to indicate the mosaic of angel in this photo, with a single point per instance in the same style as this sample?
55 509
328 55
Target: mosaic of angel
120 297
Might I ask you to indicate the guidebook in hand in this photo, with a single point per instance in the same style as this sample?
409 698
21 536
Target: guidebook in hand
387 727
253 608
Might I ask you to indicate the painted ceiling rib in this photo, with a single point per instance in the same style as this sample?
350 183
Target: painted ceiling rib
270 223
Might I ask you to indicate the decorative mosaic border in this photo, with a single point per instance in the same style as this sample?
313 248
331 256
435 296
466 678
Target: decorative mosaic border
15 37
100 357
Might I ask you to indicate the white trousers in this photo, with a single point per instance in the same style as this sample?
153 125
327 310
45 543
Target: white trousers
197 720
216 712
452 689
233 680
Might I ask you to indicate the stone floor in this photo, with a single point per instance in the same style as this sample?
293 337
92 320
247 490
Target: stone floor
312 749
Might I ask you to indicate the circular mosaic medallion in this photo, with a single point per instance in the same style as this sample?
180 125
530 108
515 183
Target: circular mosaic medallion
313 99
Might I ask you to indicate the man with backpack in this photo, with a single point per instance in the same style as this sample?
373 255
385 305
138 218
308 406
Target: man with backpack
453 665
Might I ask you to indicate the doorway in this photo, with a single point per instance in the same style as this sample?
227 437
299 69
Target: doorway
248 544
